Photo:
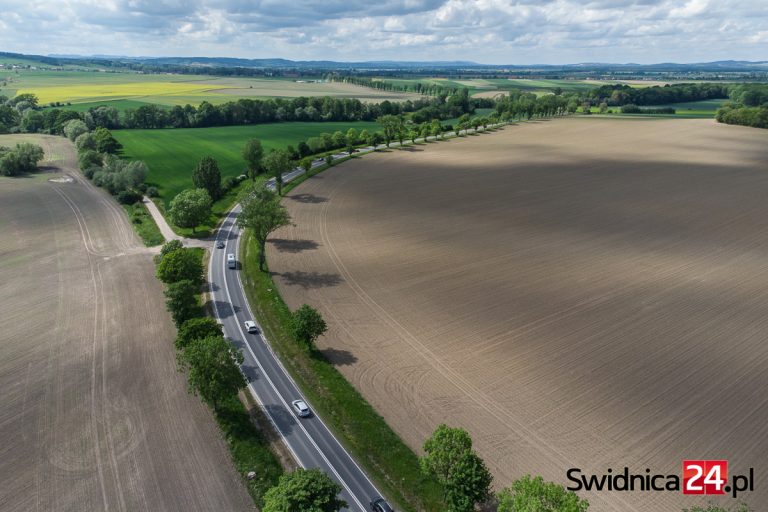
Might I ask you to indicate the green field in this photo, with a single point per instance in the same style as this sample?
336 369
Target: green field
687 109
708 107
172 154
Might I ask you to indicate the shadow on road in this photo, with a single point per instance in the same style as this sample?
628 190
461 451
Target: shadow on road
210 287
285 421
308 280
293 246
224 308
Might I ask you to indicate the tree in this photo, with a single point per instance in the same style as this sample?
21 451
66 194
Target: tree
21 159
89 158
307 325
207 176
535 495
181 301
74 128
450 459
391 126
352 137
262 213
464 121
197 329
170 246
181 264
306 164
85 141
276 163
31 121
436 128
253 153
470 484
105 142
190 208
213 369
304 149
308 490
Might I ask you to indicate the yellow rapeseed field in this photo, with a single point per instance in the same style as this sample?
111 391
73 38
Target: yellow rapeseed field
82 93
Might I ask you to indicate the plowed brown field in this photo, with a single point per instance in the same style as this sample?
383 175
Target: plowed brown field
93 414
586 293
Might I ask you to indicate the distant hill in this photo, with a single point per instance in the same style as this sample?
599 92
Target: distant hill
407 66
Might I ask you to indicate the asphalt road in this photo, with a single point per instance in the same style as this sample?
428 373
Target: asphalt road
310 441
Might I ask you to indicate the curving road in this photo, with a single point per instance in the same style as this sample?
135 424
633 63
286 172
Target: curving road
310 441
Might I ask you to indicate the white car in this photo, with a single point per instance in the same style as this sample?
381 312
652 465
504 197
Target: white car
301 408
250 326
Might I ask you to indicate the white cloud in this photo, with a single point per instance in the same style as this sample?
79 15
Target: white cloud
493 31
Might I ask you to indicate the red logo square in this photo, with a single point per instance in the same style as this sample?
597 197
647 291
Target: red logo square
705 476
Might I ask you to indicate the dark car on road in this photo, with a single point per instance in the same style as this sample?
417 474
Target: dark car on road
380 505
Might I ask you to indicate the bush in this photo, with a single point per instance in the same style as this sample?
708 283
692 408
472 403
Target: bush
89 158
228 184
152 191
128 196
84 142
179 265
74 128
88 173
630 109
197 329
171 246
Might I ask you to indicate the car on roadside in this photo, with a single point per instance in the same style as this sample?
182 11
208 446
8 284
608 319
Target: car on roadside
301 408
379 504
220 244
251 327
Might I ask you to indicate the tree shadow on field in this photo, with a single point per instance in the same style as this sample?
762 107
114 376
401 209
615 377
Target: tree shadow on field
411 149
293 246
310 280
338 357
308 198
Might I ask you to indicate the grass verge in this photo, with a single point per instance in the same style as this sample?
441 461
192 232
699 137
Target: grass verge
144 224
385 457
249 448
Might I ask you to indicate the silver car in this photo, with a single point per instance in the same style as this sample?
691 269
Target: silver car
250 326
301 408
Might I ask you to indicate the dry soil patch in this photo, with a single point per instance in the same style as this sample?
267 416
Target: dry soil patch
93 414
584 293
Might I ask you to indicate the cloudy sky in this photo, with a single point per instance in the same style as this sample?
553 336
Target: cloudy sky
486 31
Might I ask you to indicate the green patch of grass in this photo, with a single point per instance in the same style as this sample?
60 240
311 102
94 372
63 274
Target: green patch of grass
172 154
248 447
391 464
709 106
144 224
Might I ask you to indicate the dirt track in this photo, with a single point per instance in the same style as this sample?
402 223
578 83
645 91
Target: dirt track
94 415
584 293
